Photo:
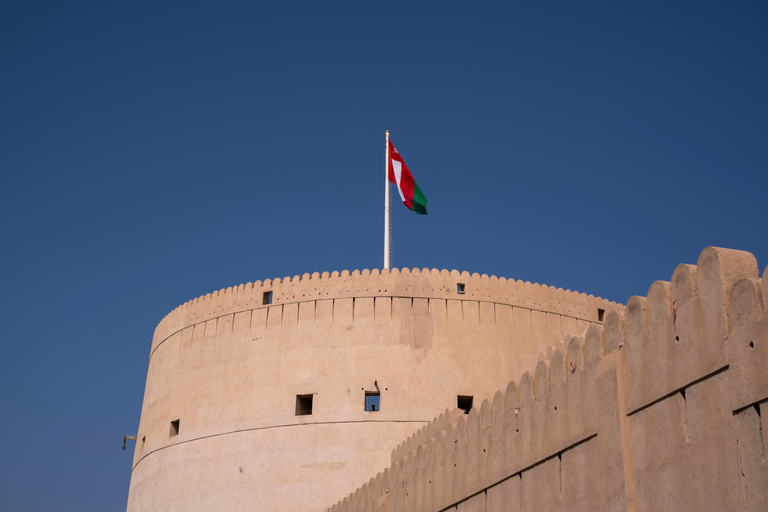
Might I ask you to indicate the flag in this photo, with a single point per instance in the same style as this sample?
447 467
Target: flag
410 192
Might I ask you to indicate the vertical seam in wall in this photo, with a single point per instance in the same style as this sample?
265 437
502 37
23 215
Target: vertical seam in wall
353 310
685 416
560 469
760 431
743 478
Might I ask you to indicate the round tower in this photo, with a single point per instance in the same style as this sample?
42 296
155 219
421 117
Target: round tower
284 395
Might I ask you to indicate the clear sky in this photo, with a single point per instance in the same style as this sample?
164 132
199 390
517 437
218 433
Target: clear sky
152 152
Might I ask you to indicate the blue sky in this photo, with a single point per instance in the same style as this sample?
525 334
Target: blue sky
152 152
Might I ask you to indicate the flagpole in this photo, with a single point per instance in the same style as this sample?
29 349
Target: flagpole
386 202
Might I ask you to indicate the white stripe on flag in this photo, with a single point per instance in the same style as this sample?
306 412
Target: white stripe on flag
397 169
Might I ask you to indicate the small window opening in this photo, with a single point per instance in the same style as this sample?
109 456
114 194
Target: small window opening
174 428
372 401
465 403
600 314
460 288
267 298
303 405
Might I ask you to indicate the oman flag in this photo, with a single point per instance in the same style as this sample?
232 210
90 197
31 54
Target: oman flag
410 192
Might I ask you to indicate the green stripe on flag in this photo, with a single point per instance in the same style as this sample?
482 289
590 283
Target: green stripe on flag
419 201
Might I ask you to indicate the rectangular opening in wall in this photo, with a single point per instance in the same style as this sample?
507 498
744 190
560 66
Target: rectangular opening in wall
372 401
464 403
303 405
267 298
600 314
460 288
174 428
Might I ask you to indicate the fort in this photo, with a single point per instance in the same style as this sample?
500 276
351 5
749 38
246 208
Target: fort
417 390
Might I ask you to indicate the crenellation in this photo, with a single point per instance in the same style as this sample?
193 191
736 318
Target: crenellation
614 331
557 375
472 457
525 418
578 393
594 345
498 442
717 271
636 348
460 463
764 282
484 445
748 344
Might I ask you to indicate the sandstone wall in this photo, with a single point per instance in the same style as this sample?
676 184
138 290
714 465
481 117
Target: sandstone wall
662 408
228 367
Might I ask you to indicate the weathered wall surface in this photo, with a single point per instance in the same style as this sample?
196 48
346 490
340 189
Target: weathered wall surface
662 408
228 367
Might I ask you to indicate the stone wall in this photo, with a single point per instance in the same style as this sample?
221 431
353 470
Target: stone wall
662 408
228 368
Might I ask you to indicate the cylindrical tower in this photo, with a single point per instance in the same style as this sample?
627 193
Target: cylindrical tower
287 394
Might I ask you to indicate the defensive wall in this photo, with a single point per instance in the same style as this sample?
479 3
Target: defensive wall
662 408
231 373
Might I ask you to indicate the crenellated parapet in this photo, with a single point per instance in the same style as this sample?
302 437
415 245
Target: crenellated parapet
663 407
406 283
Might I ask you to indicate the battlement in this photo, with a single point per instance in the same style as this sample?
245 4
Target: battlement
661 408
411 283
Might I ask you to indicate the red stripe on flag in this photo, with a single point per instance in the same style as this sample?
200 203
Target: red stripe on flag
406 178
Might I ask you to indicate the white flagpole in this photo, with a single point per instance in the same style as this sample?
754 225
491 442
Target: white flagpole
386 202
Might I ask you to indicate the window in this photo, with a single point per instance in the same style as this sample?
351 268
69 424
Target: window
303 405
464 403
174 428
372 401
267 299
460 288
600 314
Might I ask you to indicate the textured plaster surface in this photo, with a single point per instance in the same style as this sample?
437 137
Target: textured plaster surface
229 367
